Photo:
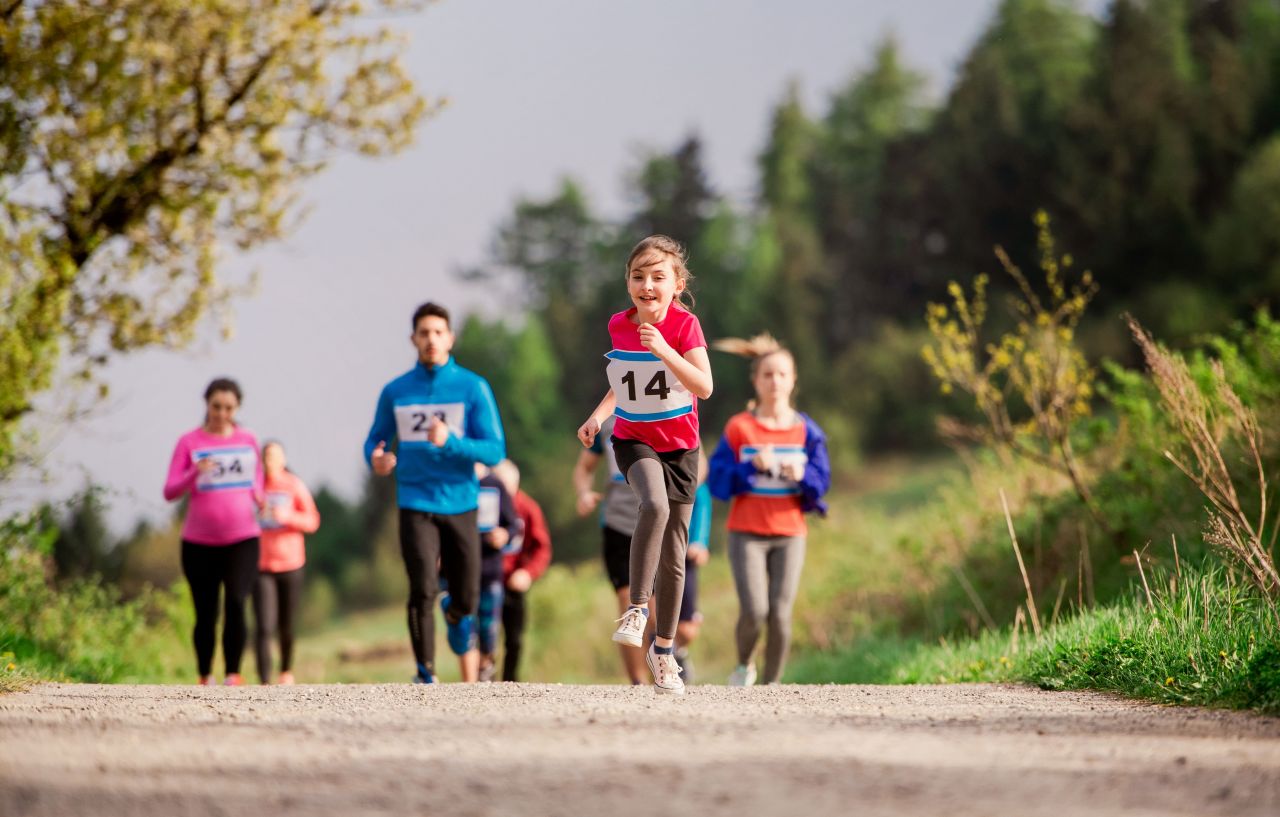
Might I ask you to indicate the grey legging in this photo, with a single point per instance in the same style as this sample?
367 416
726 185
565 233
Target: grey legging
658 546
766 571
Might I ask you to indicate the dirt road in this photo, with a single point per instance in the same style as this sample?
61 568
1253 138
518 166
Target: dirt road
529 750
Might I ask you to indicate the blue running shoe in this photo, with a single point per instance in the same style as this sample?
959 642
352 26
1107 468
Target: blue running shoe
462 634
423 677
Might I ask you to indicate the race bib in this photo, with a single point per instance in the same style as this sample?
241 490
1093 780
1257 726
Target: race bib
487 509
275 499
413 420
646 390
767 484
233 467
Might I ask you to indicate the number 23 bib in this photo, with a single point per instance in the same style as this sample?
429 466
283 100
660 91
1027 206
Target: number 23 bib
645 389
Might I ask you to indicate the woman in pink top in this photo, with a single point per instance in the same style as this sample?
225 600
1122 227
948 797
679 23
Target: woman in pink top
289 513
217 466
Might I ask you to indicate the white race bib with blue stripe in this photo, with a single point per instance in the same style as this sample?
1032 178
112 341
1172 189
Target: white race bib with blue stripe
275 499
413 420
646 390
233 467
774 484
489 504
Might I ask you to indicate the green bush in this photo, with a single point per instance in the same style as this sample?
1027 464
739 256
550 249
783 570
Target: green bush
83 630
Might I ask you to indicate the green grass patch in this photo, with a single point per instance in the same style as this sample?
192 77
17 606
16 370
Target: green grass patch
1203 640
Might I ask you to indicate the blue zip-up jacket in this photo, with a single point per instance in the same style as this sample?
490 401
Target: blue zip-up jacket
430 479
727 477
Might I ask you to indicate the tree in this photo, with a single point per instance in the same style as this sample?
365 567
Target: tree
139 136
877 108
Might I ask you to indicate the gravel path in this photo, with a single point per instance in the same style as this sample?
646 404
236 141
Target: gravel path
529 750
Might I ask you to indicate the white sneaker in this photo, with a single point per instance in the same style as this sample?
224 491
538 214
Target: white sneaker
743 676
666 672
631 630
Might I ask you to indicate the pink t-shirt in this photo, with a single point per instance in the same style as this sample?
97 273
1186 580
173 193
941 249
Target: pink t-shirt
682 331
223 508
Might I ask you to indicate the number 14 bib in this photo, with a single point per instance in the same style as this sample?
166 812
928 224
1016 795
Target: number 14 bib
646 390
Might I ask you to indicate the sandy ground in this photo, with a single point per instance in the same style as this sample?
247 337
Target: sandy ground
516 749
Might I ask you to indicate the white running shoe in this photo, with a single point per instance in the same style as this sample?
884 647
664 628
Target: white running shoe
743 676
631 630
666 672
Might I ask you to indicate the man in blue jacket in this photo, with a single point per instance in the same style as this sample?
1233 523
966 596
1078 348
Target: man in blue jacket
444 420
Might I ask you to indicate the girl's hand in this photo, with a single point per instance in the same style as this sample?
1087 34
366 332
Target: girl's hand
698 555
281 514
587 502
652 339
497 538
587 433
764 461
520 580
793 471
205 465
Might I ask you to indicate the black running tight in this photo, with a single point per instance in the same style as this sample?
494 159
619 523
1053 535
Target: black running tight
208 569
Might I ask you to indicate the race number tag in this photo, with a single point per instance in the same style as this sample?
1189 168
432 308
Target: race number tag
646 390
275 499
233 467
769 484
489 503
414 419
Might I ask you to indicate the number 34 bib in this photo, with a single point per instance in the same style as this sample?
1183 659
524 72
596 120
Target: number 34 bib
646 390
233 467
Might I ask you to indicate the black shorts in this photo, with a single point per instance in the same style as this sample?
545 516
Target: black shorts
617 557
689 601
679 467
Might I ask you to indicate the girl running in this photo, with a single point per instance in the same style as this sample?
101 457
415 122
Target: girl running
289 513
657 371
217 466
772 466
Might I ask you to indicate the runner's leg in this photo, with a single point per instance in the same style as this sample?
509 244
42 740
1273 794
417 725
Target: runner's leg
786 559
670 579
751 580
290 586
420 549
242 571
201 564
649 483
460 557
265 617
513 620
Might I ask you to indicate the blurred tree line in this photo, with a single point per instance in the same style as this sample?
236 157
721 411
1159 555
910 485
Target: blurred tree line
1151 135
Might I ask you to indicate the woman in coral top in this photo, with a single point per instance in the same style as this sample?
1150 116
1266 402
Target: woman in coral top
217 467
772 466
289 513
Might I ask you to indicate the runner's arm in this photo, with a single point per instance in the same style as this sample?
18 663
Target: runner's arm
726 477
182 472
383 428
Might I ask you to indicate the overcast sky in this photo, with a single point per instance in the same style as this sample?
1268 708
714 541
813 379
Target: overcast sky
537 91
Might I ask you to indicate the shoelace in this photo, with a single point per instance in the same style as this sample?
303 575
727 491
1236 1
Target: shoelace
668 669
630 624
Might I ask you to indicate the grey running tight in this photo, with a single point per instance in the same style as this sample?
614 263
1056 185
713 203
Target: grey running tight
766 572
658 545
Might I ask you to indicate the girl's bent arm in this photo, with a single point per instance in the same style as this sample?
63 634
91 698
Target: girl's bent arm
693 370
